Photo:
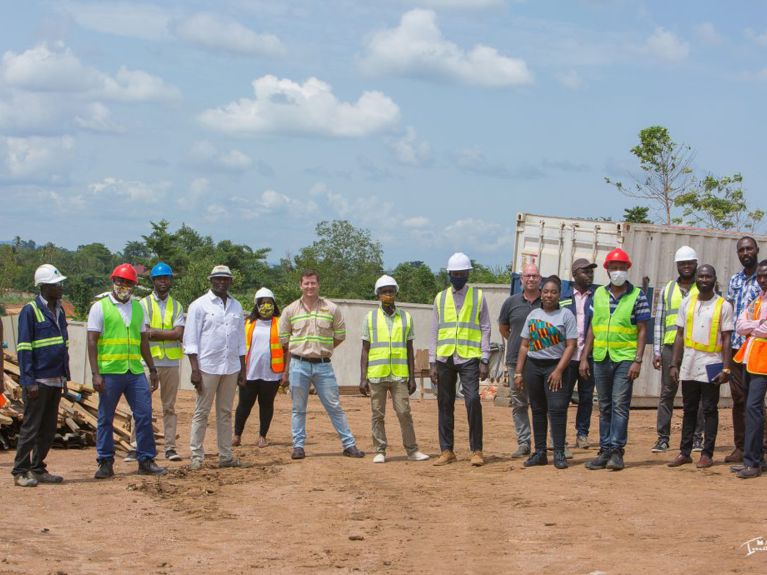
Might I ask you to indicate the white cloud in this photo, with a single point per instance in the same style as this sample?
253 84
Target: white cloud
707 33
477 235
410 150
116 189
664 45
97 118
416 222
365 209
215 212
138 86
271 202
36 159
416 48
571 79
209 156
284 106
464 4
129 19
760 39
214 32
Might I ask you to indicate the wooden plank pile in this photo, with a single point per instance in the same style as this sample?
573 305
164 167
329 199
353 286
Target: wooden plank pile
78 414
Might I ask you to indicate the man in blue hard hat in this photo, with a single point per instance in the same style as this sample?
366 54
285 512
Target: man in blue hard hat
165 323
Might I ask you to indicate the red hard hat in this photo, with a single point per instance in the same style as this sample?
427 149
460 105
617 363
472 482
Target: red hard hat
126 272
617 255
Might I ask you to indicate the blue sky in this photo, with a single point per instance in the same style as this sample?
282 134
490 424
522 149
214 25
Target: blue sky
430 123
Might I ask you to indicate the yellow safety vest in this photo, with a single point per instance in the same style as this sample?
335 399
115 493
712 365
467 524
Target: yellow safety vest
672 296
388 350
162 349
459 333
713 344
119 347
614 334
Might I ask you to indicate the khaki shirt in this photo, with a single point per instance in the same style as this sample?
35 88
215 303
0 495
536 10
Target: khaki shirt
310 332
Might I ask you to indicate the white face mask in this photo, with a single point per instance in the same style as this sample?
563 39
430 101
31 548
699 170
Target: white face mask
618 277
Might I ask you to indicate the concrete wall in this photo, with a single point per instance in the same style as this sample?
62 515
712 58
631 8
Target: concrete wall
346 356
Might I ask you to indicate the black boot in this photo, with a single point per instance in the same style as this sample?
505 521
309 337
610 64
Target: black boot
105 469
149 467
560 461
616 460
600 461
537 458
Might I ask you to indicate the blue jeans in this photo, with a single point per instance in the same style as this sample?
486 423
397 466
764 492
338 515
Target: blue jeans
139 397
756 387
585 396
614 389
302 375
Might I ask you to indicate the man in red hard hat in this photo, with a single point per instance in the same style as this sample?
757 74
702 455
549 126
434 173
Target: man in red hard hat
117 342
617 339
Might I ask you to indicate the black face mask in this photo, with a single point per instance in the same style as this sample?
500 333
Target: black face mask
458 282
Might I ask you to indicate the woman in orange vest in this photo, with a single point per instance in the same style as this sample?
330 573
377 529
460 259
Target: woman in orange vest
265 362
753 355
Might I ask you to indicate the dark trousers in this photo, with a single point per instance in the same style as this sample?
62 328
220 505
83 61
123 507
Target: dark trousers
668 389
264 392
585 395
756 387
37 429
739 393
447 375
694 395
545 403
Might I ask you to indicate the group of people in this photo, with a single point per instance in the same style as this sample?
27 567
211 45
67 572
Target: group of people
595 338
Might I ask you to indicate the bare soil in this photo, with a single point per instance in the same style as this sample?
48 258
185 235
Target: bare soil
330 514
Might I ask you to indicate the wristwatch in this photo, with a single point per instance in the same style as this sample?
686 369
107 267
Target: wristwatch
726 370
484 361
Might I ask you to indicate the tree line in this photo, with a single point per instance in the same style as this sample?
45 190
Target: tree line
348 259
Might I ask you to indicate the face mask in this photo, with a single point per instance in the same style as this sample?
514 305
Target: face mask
266 310
618 278
458 282
386 299
123 293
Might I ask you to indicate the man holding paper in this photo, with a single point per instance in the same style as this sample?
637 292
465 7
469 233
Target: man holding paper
704 326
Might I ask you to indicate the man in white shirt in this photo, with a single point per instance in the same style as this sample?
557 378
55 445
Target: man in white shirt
214 340
704 327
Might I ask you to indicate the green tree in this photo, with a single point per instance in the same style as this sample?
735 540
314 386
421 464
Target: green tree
416 281
348 259
666 170
637 215
720 203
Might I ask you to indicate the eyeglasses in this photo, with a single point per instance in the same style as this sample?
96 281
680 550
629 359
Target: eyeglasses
530 276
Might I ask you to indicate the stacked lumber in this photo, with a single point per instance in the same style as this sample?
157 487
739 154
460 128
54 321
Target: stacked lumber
78 414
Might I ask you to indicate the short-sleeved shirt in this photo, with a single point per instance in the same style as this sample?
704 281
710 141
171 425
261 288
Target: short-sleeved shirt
260 355
514 312
548 331
389 322
310 332
178 321
96 314
694 361
641 310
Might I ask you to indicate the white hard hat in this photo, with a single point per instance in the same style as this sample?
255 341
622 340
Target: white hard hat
685 254
385 281
48 274
263 292
459 261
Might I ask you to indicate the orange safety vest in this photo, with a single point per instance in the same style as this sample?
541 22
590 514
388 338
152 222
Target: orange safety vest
275 347
755 348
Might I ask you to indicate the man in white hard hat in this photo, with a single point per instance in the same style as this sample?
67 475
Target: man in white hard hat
460 345
666 312
387 365
44 371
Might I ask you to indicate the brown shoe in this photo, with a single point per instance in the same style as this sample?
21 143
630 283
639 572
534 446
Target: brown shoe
236 441
680 459
445 457
476 459
735 457
704 462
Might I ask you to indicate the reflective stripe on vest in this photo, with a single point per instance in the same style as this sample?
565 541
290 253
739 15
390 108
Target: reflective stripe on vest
165 348
755 349
614 334
713 344
672 296
459 333
388 350
119 347
276 353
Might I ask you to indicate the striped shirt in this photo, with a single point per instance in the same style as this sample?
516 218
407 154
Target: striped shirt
310 332
742 291
641 311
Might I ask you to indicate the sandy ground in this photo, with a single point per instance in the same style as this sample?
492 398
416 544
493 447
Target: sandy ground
330 514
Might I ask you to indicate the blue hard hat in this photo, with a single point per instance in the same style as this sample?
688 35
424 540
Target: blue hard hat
161 269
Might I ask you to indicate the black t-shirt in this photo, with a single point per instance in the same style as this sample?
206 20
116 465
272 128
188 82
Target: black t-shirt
514 313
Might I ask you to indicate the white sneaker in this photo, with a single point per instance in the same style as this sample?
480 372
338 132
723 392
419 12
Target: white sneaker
196 464
379 458
418 456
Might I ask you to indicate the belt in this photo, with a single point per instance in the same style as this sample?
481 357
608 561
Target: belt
312 359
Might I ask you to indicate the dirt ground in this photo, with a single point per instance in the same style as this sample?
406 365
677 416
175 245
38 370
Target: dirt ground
330 514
